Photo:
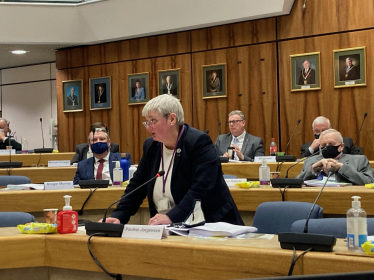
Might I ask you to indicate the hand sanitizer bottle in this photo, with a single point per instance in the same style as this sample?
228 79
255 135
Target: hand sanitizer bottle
117 175
264 174
356 226
67 219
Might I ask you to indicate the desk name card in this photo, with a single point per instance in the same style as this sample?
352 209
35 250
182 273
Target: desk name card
6 152
63 185
268 159
144 232
58 163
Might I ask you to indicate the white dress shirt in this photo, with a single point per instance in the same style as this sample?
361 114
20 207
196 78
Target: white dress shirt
106 171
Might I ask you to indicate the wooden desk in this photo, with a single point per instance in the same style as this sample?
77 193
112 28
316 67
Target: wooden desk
43 174
177 257
250 169
333 200
30 159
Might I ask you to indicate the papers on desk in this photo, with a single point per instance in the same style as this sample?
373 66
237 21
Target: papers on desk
25 187
213 229
320 183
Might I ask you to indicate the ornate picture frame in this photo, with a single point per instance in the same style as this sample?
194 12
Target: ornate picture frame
214 81
100 93
305 71
138 88
72 92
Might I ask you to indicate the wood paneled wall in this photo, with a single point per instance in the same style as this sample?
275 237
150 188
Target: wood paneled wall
255 53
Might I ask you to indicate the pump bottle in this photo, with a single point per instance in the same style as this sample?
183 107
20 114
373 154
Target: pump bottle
117 174
132 170
67 219
264 174
356 226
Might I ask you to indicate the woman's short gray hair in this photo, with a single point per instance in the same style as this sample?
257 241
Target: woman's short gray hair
238 112
331 130
165 104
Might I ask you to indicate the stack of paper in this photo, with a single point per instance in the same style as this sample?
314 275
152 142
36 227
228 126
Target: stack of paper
26 187
213 229
320 183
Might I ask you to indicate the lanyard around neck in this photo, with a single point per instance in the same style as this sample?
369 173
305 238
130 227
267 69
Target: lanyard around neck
164 178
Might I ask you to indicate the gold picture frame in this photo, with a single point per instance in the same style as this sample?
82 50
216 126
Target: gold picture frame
305 71
72 92
138 94
355 74
214 87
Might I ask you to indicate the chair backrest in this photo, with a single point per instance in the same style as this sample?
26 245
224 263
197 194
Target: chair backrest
15 180
12 219
278 216
331 226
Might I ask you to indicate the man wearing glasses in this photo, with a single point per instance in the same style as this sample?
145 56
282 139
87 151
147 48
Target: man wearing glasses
246 146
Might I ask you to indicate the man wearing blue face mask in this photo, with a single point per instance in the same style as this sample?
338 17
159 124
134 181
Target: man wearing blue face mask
353 169
101 165
319 125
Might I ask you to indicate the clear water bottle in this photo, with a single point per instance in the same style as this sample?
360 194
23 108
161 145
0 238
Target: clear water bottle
24 145
273 147
132 170
264 174
356 226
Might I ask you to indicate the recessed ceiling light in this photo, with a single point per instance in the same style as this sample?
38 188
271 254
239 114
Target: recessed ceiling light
18 52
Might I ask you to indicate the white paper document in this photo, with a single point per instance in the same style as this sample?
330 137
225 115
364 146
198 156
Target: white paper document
213 229
320 183
26 187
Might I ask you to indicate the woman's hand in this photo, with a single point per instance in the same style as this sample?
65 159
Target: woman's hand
159 219
110 220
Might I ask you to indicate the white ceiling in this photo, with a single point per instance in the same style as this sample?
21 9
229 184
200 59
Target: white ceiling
41 28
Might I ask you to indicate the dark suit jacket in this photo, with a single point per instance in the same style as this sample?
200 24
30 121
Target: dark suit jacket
102 97
197 174
349 148
85 169
356 170
71 99
353 74
252 145
82 149
310 80
15 145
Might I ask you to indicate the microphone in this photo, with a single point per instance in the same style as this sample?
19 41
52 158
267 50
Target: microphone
305 240
285 157
219 128
291 182
42 150
359 131
207 131
114 230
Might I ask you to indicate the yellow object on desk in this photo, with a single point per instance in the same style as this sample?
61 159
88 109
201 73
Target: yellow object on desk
369 186
248 185
37 228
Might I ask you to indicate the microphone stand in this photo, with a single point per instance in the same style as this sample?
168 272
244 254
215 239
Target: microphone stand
359 149
304 241
109 229
286 157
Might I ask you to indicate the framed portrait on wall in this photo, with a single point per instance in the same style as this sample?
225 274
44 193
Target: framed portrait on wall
350 67
100 95
169 82
305 71
138 88
214 81
72 96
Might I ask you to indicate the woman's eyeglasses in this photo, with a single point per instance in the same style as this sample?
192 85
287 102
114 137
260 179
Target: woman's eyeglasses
150 123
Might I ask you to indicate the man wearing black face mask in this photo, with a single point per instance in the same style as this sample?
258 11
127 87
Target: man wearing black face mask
319 125
353 169
101 165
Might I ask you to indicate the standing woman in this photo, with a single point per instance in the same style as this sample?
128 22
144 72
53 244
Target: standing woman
192 171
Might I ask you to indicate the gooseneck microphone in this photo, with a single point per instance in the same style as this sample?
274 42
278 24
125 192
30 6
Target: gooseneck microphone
289 141
43 150
207 131
314 154
114 230
359 131
305 240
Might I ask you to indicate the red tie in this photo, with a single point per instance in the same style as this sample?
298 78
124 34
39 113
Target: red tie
99 174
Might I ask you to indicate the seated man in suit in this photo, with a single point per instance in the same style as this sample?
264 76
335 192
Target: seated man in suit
348 168
101 165
81 150
4 140
246 146
319 125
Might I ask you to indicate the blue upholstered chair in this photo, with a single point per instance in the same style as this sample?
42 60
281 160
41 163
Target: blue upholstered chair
14 180
331 226
227 176
12 219
278 216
